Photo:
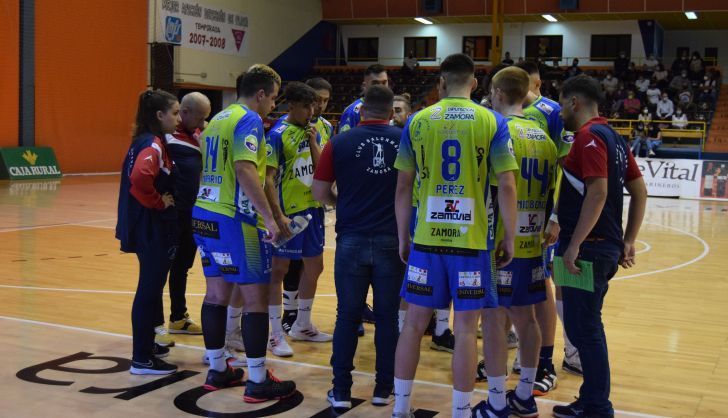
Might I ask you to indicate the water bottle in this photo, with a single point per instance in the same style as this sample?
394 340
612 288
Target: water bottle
297 225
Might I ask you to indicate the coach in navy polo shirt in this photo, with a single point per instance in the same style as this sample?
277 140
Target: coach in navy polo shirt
361 162
589 212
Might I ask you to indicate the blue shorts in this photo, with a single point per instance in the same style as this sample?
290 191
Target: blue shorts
231 248
434 279
521 283
310 242
548 259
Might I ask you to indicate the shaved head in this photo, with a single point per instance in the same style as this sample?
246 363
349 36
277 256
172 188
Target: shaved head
194 109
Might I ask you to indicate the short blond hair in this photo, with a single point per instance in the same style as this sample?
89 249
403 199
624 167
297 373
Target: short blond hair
513 82
255 78
264 69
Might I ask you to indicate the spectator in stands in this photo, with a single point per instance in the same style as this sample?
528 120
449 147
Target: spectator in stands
631 75
654 139
706 97
665 108
651 64
610 85
520 60
679 119
574 69
621 65
552 90
639 137
697 67
685 99
410 64
680 82
507 60
645 116
709 81
660 76
680 64
653 95
631 106
642 84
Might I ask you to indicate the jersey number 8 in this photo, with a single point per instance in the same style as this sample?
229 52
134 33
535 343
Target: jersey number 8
451 163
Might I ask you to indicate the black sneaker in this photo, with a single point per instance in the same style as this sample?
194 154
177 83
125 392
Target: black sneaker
270 389
221 380
367 315
444 342
160 351
154 366
289 317
572 410
338 402
430 330
480 374
545 382
382 396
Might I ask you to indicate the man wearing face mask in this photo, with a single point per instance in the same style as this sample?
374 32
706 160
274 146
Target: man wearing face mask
665 108
610 85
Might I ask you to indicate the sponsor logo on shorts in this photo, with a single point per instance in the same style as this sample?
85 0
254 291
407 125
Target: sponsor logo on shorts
537 287
504 277
505 291
537 274
452 211
471 293
417 275
207 229
209 193
222 259
229 269
418 289
469 279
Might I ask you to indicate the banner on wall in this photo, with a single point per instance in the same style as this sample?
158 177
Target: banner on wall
693 179
199 26
20 163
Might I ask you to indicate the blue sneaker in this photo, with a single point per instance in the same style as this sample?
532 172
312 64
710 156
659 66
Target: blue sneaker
525 408
484 410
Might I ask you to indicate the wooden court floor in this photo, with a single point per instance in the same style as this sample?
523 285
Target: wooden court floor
66 292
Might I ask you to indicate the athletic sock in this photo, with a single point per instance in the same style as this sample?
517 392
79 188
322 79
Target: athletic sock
233 319
290 300
304 312
217 359
255 333
442 321
545 358
568 346
274 313
524 389
256 369
402 398
497 392
461 404
402 314
213 325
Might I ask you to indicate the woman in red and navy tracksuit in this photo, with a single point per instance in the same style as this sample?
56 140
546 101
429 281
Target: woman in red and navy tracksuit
147 222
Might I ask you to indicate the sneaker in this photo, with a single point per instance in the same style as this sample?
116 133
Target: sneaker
651 153
367 315
278 345
516 368
480 374
430 330
289 317
382 396
234 340
231 358
545 382
162 337
270 389
484 410
572 410
572 362
221 380
410 414
512 339
309 333
159 352
444 342
525 408
185 326
154 366
361 331
341 403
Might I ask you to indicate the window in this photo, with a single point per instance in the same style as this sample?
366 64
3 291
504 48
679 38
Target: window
363 49
424 48
608 47
477 47
544 46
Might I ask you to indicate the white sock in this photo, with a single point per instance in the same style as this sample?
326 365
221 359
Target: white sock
233 319
524 390
402 398
568 346
304 312
461 404
256 369
290 300
442 320
274 313
217 359
497 392
402 314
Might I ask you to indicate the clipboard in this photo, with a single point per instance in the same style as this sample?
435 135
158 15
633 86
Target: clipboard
583 281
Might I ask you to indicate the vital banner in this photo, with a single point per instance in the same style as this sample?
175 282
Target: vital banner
199 26
28 163
691 179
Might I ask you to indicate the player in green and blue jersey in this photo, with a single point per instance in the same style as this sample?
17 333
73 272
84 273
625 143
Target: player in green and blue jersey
375 74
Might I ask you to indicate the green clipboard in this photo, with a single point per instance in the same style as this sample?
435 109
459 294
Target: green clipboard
583 281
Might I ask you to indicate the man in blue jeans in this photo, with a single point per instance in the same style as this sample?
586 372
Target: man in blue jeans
361 162
589 214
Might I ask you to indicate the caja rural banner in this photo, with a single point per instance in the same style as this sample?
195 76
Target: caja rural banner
692 179
200 26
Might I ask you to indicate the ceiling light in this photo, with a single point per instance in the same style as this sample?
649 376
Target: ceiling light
549 18
423 20
691 15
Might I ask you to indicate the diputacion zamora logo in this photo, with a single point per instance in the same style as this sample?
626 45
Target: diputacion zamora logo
173 30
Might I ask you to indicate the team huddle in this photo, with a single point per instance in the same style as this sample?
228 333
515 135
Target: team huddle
457 206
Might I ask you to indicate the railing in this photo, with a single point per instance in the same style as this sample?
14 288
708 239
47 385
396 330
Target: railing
625 127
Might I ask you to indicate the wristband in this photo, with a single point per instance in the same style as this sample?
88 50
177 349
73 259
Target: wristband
554 218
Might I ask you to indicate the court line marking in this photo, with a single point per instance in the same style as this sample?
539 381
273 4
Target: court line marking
648 247
82 223
111 292
289 362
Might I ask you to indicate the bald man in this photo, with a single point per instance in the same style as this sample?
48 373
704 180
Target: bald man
184 148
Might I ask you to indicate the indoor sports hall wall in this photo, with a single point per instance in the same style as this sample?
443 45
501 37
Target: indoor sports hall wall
91 65
698 41
9 72
577 37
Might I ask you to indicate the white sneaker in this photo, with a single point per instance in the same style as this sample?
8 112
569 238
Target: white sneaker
231 358
278 345
234 340
309 333
512 339
163 337
572 361
517 363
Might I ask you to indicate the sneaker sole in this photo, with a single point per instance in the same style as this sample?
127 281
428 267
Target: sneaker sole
309 339
281 354
134 370
165 345
537 392
339 405
183 331
249 399
381 401
214 388
571 369
437 347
